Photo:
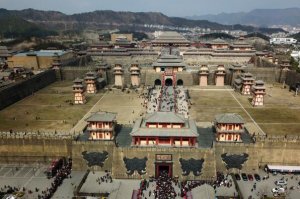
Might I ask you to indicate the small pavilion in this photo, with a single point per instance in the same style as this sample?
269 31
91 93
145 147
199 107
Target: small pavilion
244 83
229 127
101 126
91 82
78 90
258 92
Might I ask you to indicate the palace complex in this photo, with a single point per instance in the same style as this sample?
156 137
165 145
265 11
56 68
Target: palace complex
138 110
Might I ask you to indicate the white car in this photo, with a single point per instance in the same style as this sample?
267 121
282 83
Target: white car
278 190
281 182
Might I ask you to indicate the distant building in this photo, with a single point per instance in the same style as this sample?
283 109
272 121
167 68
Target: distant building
135 75
118 73
218 44
244 83
121 37
4 53
220 76
169 62
39 59
101 126
91 82
168 38
164 129
203 75
122 40
229 127
241 46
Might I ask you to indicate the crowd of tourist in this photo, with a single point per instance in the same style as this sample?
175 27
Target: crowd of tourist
163 189
182 101
166 98
61 174
222 180
8 189
104 179
152 100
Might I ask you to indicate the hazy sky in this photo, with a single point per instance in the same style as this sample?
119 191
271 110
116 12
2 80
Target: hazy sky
168 7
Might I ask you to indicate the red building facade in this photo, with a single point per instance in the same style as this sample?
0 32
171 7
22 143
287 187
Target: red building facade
164 129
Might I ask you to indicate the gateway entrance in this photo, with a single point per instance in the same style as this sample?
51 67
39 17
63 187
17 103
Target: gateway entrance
163 168
163 165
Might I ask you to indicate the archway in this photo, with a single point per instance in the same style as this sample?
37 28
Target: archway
157 82
161 168
169 82
179 82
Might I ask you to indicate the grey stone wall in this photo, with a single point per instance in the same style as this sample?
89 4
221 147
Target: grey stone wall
267 74
22 89
43 147
292 77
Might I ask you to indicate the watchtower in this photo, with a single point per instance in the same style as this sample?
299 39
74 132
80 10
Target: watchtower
78 89
203 75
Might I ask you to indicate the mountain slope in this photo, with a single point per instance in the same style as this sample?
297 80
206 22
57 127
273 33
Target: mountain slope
12 26
258 17
126 20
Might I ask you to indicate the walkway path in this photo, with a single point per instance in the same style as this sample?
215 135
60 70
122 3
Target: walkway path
258 127
81 124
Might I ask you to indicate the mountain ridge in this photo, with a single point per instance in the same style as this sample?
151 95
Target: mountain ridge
256 17
55 20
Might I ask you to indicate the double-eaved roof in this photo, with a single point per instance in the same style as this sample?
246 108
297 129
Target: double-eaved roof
229 118
218 41
102 117
188 130
166 60
164 117
170 37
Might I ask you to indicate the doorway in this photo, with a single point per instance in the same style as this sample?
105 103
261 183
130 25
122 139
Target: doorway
157 82
161 168
169 82
179 82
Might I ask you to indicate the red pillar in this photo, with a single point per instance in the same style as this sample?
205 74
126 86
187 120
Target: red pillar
139 141
172 140
180 141
156 140
147 141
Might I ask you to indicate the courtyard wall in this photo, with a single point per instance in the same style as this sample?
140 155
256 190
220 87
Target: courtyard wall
20 90
33 148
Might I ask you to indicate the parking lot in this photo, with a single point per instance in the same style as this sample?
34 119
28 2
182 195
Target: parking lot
256 189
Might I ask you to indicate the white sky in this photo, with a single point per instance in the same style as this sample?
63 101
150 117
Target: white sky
168 7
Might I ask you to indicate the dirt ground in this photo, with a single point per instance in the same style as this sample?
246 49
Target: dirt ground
49 109
279 116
